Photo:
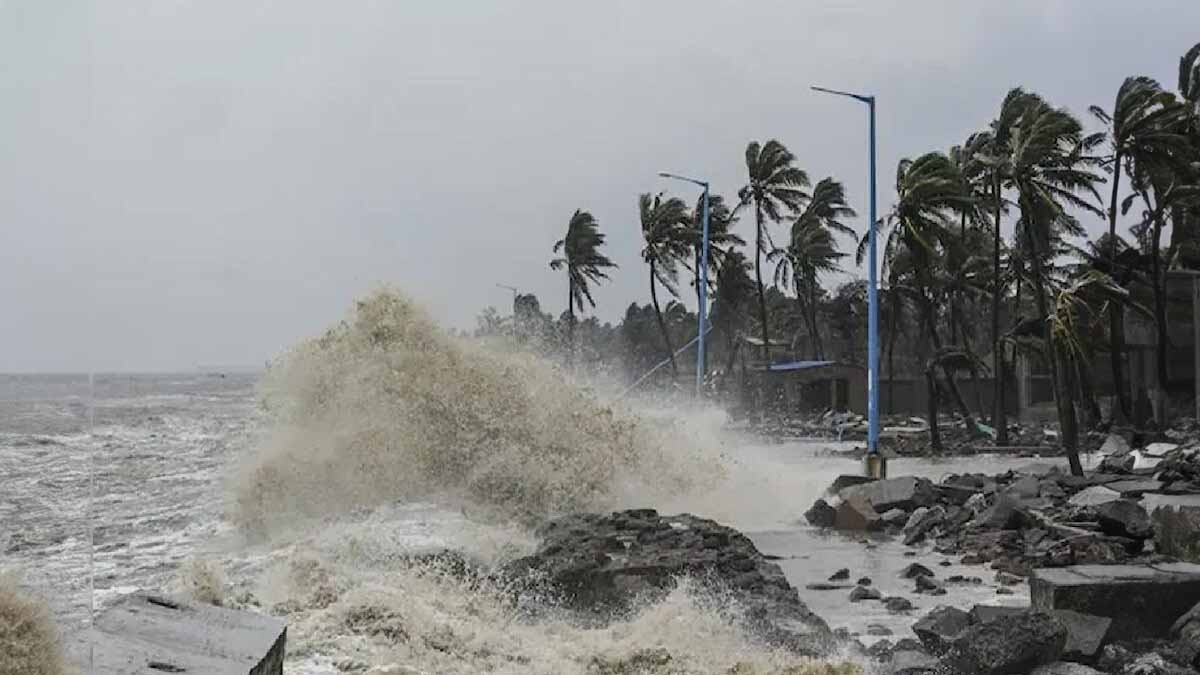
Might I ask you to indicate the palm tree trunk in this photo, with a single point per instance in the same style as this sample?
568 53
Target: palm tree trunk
891 351
935 436
762 298
1068 426
804 317
947 373
570 318
1160 321
999 416
662 327
1116 324
1087 394
818 347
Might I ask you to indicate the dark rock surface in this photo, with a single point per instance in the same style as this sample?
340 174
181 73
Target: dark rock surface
1010 644
915 570
906 493
861 593
940 627
602 565
909 662
840 575
821 514
856 513
1186 632
1143 601
1124 518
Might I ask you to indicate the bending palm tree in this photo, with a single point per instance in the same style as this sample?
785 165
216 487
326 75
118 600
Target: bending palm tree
585 265
1138 128
720 239
812 250
776 188
733 297
1047 170
664 229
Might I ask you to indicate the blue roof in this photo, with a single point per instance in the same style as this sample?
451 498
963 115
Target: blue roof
798 365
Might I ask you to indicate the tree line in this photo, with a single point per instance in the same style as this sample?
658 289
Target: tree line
953 288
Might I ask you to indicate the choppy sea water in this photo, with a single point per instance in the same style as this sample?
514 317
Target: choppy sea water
158 451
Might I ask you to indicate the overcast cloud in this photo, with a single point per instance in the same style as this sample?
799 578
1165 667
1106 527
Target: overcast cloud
203 182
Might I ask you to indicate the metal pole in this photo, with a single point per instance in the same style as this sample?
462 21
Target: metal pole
703 309
872 308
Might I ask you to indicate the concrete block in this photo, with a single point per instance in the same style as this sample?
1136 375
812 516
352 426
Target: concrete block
1142 600
153 635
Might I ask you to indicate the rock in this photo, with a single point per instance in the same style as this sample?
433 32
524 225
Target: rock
940 627
1010 644
1122 462
822 586
1065 668
1154 664
977 504
1177 531
1086 634
1159 449
1008 579
922 521
1005 514
895 517
1004 591
393 669
881 650
1186 631
820 514
1124 518
840 575
847 480
1115 444
1025 487
1051 490
863 593
897 605
915 570
856 513
1142 600
907 492
1094 496
878 630
905 662
1135 488
603 565
929 586
864 581
956 494
989 613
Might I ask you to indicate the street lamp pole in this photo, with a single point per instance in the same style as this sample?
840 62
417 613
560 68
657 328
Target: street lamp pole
702 310
872 285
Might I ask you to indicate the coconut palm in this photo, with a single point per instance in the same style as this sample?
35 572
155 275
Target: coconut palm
775 188
1142 124
929 192
720 239
734 294
1185 230
813 250
1047 168
664 229
585 265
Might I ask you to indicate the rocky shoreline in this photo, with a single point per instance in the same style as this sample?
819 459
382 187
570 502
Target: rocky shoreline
1022 523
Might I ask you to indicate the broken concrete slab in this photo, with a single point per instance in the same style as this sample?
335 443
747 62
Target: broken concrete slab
940 627
1159 449
847 480
1124 518
1115 444
906 492
986 613
1094 496
1135 488
1010 644
149 635
1142 600
1025 487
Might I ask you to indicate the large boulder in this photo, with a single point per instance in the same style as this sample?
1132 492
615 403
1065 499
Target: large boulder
938 629
602 565
1005 514
1186 632
1094 496
856 513
1124 518
921 522
1010 644
906 492
821 514
1177 531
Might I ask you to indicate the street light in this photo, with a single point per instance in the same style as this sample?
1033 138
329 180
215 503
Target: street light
872 287
702 310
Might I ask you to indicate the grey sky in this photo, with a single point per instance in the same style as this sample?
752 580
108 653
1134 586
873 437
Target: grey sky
189 182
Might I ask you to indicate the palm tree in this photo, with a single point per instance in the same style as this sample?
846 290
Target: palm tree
776 188
1048 171
580 250
664 229
813 250
929 190
1185 230
1138 127
720 239
733 297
